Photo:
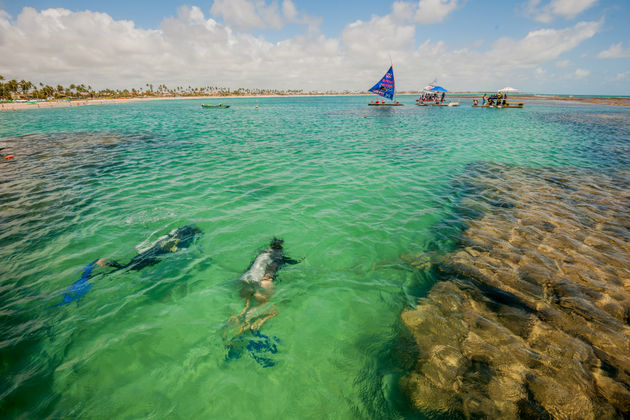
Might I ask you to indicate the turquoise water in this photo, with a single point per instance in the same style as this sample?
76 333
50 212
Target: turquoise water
352 190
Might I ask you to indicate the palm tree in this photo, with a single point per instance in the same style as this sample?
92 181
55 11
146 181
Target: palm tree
47 91
12 85
8 88
25 86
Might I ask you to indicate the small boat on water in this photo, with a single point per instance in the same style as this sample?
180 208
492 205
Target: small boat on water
214 106
498 100
506 105
386 87
433 95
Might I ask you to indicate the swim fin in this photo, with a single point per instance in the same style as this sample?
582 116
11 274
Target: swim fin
80 287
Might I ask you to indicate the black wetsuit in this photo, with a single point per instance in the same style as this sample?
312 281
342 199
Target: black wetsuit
266 264
176 239
179 238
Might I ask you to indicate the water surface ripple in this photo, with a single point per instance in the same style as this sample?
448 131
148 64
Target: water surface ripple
359 193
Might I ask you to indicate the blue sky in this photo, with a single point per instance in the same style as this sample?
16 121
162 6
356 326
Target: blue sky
554 46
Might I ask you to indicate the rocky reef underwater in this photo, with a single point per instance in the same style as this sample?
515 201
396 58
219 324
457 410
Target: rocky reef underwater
531 316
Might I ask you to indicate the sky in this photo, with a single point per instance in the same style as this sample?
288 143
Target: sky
538 46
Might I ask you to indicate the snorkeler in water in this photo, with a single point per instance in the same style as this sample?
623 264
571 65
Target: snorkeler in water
256 288
257 285
177 239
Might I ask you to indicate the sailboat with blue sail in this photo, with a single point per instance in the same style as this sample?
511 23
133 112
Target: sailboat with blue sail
386 87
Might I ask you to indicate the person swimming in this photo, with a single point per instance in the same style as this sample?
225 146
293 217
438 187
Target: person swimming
176 239
257 284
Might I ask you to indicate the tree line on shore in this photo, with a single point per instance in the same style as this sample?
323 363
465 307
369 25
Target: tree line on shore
23 89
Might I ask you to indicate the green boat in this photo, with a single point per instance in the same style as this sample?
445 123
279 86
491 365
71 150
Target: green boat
214 106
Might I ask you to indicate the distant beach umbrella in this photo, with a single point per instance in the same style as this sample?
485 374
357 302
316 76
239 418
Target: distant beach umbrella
508 89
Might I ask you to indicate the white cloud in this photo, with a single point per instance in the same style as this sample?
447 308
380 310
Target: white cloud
60 46
615 51
360 38
508 59
542 45
568 9
289 10
424 11
258 14
581 73
403 11
433 11
244 14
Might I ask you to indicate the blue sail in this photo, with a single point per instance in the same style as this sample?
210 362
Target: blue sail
385 87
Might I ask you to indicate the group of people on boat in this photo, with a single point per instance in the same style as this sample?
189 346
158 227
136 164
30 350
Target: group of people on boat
496 99
432 97
377 102
433 94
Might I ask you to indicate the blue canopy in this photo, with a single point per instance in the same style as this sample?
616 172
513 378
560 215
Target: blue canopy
385 87
437 89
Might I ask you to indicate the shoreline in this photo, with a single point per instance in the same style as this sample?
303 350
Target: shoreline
21 106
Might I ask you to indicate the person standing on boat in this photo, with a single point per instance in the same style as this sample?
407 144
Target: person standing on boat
443 95
485 96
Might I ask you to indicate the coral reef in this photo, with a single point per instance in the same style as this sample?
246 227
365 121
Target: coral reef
532 316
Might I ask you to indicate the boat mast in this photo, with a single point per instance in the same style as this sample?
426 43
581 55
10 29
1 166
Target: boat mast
394 79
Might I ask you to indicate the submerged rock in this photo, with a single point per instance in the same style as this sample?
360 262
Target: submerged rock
532 318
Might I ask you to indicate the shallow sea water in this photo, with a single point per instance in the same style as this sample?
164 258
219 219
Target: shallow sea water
351 189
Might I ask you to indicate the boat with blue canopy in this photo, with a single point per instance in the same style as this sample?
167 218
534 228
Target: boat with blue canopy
386 87
433 95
